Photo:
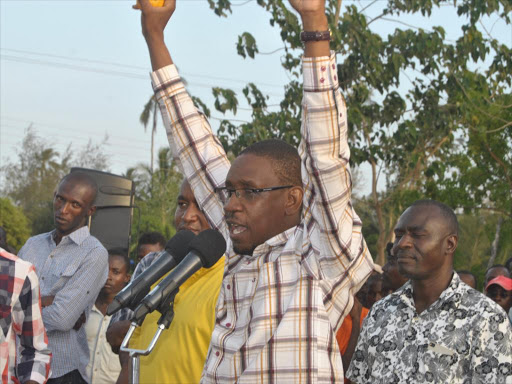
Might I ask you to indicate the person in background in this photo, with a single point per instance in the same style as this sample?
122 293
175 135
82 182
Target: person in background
21 324
435 329
495 271
104 366
348 333
188 337
379 286
150 242
395 278
468 278
72 267
499 290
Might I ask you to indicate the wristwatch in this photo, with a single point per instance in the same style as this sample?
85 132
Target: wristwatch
306 36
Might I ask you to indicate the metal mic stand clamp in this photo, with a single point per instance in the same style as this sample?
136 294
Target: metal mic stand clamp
166 308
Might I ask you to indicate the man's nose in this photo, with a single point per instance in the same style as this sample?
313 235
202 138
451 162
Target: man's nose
232 204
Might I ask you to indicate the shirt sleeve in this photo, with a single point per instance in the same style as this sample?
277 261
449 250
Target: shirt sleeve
492 346
199 153
79 291
35 356
342 261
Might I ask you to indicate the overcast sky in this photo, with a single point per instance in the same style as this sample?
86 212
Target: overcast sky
79 69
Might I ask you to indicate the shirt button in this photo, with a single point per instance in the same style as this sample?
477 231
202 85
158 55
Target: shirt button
228 325
228 286
42 278
217 353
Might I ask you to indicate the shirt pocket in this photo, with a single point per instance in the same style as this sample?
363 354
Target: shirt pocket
59 278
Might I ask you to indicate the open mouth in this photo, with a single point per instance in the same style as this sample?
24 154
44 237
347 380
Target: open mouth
235 230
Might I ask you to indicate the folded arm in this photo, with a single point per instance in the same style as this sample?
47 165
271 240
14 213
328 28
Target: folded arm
79 291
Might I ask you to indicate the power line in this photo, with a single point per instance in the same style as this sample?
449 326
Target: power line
115 64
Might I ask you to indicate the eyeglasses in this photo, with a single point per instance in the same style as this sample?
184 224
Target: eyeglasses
247 194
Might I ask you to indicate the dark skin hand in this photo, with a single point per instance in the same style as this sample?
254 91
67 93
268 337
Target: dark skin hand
48 300
116 333
355 313
126 366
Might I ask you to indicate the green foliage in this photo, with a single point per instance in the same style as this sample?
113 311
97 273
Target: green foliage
31 181
427 140
14 222
155 196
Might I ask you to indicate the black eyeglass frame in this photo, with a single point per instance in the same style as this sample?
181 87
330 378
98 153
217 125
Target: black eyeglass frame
234 191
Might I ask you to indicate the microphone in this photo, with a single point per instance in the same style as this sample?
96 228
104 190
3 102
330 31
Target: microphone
175 250
205 250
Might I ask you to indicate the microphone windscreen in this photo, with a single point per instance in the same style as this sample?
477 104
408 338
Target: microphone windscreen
178 245
209 245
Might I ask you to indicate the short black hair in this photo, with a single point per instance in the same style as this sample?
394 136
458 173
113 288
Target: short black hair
447 212
152 238
466 272
123 254
82 178
496 266
286 162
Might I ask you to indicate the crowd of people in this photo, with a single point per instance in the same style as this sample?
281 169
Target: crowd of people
296 297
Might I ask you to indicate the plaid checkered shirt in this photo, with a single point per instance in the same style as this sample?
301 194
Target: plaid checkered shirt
20 317
279 309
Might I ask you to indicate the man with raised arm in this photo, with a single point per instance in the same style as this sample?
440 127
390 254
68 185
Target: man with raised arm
295 253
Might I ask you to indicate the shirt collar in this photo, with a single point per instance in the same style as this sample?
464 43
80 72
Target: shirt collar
274 242
77 236
453 289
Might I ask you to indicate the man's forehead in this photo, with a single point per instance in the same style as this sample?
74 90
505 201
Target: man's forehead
250 169
420 217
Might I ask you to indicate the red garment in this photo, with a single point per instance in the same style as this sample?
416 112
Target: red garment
343 334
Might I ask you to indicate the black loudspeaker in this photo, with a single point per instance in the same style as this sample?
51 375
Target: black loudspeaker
112 222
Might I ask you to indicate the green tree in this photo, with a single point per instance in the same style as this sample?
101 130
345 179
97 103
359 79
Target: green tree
150 111
406 134
30 182
155 196
14 222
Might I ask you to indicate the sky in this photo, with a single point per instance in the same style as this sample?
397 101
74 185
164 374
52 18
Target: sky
79 70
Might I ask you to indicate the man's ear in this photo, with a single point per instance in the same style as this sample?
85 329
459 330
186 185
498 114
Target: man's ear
451 243
91 211
293 201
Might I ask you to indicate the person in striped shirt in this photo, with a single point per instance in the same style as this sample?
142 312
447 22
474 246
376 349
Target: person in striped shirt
296 254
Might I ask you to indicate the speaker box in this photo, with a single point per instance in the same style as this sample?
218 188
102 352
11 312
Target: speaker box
112 222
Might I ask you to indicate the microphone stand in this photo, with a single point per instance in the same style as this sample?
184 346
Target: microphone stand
166 308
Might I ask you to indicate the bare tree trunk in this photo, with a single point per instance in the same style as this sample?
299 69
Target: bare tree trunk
494 245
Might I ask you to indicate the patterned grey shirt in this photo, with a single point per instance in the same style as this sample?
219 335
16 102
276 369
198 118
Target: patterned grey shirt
463 337
74 272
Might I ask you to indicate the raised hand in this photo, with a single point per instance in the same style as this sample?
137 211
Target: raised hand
308 6
154 19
